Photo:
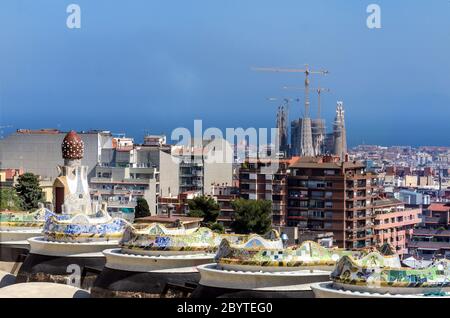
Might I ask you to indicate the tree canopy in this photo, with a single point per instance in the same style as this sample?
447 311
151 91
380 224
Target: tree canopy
204 207
9 200
29 191
251 216
208 209
142 209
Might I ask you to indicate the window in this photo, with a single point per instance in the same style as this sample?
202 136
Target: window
316 214
294 194
316 184
317 194
303 204
315 204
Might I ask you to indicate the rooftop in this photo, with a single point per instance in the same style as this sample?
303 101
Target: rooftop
325 162
431 232
165 219
54 131
439 207
429 245
270 160
387 202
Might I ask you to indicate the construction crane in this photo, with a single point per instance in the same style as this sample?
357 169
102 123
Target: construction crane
306 141
305 71
319 92
285 100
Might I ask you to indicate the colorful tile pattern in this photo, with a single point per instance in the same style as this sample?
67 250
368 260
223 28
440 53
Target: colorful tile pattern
84 228
309 254
159 238
11 220
374 273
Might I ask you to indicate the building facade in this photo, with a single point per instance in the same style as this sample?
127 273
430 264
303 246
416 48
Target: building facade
39 152
126 173
196 168
394 223
266 179
326 194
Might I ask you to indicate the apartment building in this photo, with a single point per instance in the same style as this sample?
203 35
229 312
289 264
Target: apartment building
8 177
196 167
266 179
436 215
394 223
430 243
125 173
326 194
175 206
224 195
39 151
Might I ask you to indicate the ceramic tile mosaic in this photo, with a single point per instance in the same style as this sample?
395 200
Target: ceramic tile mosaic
159 238
375 272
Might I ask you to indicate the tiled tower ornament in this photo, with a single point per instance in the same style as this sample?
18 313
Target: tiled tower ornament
72 146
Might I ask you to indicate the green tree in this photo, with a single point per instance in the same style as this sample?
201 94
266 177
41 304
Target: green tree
251 216
208 209
29 191
204 207
217 227
142 209
9 200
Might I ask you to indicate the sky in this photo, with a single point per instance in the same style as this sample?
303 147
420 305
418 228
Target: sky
154 65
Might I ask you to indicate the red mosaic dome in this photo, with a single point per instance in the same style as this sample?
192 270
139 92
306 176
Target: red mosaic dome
72 146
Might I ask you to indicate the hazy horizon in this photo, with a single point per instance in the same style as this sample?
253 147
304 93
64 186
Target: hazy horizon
157 65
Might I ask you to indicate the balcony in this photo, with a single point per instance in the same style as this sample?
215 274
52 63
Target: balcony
121 204
429 245
434 220
101 180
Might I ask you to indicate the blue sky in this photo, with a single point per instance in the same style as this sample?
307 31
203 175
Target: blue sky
159 64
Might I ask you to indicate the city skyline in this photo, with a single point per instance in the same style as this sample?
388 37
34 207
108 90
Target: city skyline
154 74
